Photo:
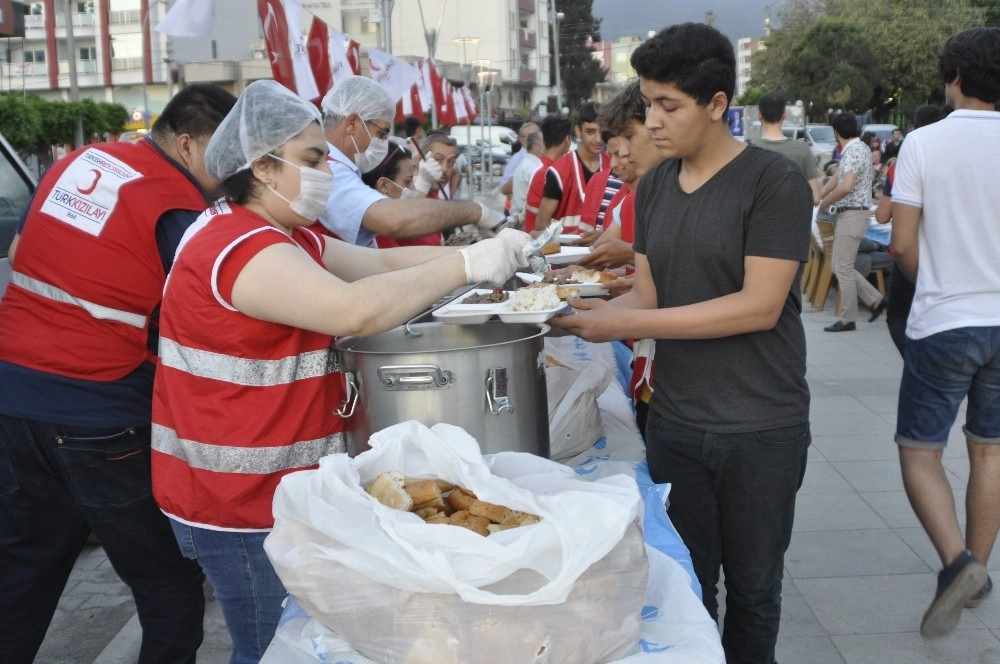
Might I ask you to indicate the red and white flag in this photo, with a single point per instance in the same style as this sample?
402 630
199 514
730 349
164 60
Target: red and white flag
458 104
318 46
396 76
340 66
305 83
424 88
272 18
410 105
354 56
188 18
471 108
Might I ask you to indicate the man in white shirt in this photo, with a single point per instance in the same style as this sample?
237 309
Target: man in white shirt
357 121
507 179
946 238
530 162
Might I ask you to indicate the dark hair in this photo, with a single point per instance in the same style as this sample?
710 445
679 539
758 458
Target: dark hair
867 138
197 110
239 186
388 167
845 124
827 165
411 125
695 57
771 107
929 114
587 113
555 130
974 55
624 107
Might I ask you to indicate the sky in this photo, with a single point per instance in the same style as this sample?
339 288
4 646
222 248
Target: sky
734 18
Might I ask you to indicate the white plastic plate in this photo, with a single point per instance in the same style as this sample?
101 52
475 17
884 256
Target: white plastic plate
567 255
508 316
456 313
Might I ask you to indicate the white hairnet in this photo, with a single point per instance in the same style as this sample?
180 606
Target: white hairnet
265 117
360 95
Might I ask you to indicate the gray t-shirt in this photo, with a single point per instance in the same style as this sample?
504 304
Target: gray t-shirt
797 151
757 205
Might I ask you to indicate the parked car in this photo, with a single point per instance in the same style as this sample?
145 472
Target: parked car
17 184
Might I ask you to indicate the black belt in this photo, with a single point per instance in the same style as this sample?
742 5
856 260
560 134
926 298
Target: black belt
844 208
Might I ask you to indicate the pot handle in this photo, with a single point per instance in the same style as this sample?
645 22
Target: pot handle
346 409
415 377
496 392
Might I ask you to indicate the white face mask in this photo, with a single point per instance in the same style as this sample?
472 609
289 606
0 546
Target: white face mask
378 148
314 191
405 192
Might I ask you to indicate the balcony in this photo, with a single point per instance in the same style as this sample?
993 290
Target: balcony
19 70
79 20
83 67
526 6
526 38
526 75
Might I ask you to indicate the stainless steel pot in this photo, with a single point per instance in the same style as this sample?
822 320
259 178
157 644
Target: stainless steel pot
488 379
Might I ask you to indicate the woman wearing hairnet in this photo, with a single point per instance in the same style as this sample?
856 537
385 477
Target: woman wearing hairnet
245 392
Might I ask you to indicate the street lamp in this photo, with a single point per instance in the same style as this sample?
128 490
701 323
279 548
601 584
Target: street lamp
554 18
485 79
462 44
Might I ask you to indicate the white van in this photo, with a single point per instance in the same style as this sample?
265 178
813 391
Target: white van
499 139
16 186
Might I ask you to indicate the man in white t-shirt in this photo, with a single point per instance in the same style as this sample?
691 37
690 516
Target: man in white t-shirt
534 147
357 121
946 237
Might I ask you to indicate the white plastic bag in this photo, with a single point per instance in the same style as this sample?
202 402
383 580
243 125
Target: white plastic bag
400 590
573 386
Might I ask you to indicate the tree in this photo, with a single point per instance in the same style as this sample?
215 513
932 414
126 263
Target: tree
904 39
578 69
833 65
19 123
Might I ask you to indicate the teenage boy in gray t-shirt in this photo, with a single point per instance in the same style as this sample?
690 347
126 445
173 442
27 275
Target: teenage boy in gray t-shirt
721 228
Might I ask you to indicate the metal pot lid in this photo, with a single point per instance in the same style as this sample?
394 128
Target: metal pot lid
438 337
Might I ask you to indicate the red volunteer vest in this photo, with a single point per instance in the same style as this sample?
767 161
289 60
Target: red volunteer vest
594 211
238 403
432 240
535 190
569 170
88 274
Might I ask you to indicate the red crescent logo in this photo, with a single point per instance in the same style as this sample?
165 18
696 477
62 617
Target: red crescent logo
93 185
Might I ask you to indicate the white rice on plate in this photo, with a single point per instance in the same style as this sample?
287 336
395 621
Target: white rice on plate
535 298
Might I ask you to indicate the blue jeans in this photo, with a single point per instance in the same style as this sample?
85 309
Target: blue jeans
732 500
246 586
939 371
59 483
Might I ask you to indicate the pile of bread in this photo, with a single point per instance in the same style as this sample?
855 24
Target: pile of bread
440 502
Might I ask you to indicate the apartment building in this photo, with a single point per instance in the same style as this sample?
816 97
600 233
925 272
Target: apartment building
108 51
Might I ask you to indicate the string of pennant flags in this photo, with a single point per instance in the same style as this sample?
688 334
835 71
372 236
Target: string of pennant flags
311 64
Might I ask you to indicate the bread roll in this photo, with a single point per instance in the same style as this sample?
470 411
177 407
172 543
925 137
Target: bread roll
566 292
388 490
459 499
551 248
422 491
495 513
592 277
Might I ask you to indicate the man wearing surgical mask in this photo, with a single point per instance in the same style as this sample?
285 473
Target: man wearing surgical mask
357 121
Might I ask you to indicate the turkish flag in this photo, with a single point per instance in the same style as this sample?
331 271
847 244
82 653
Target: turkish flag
354 56
272 18
305 82
471 108
318 46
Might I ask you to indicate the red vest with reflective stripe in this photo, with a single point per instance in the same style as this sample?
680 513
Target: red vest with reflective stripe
594 211
432 240
625 197
238 403
535 191
569 170
88 273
